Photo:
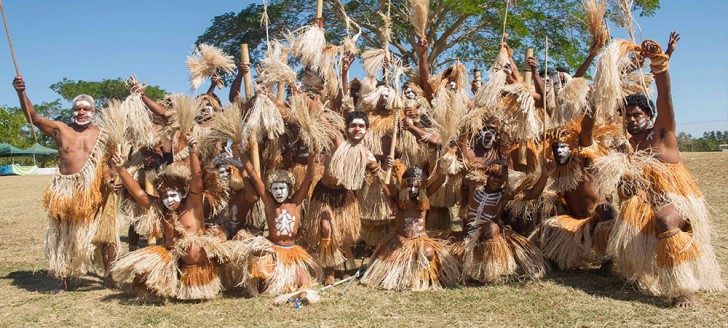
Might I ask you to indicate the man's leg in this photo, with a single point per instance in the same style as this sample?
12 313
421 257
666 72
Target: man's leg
669 225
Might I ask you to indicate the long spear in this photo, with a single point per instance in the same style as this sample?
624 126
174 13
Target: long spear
545 114
17 72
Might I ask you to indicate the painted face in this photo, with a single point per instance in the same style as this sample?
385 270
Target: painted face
409 93
637 120
452 85
279 191
172 199
413 187
487 138
83 113
357 129
562 153
383 98
223 171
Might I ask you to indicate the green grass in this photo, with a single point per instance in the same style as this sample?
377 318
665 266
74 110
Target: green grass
575 298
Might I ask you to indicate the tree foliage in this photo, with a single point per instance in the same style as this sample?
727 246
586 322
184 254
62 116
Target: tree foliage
102 91
16 131
709 142
469 31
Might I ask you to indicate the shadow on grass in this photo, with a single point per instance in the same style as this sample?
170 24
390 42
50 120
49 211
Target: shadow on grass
40 281
593 282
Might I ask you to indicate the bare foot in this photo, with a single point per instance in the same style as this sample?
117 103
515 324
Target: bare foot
108 282
345 275
329 280
683 301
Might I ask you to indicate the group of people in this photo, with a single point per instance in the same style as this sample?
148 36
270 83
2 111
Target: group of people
279 190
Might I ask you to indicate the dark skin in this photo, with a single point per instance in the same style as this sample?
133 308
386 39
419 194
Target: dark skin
497 177
355 132
112 180
584 197
273 208
155 108
538 82
411 211
74 141
661 140
417 129
424 67
189 212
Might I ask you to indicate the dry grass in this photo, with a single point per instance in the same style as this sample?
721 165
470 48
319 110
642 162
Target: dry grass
577 298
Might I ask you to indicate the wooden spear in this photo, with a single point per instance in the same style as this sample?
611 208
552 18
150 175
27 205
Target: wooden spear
17 73
545 114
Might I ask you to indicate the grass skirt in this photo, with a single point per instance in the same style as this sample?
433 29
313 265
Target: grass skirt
675 262
341 208
506 257
400 263
280 269
154 269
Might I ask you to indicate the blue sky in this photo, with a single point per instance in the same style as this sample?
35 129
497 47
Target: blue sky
92 40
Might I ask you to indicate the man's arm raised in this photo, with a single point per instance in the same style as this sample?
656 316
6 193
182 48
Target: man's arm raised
45 125
155 107
424 67
302 192
665 121
131 185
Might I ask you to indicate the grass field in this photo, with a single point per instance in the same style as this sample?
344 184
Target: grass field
574 298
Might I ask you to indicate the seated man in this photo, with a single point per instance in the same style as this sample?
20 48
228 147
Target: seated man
408 259
492 251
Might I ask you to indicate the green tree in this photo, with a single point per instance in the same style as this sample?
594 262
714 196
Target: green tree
102 91
466 30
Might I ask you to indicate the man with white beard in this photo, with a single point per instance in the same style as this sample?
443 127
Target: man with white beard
74 194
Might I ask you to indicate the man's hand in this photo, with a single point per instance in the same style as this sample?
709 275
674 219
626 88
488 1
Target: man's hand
191 142
347 60
548 168
388 163
319 21
650 49
533 64
421 46
116 161
243 68
672 43
407 123
117 185
136 87
19 84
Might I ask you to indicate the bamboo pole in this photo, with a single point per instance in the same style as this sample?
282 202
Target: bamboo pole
527 75
319 8
281 85
392 147
17 73
254 153
545 115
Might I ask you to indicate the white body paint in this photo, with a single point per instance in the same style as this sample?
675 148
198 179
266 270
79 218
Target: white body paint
284 224
414 226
